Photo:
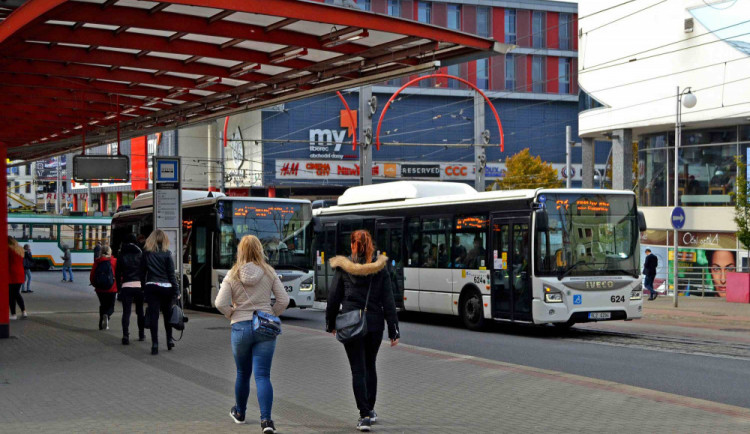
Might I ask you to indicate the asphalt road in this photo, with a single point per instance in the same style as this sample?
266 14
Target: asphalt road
685 366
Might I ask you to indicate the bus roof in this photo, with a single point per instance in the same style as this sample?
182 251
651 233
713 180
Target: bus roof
402 190
192 198
57 219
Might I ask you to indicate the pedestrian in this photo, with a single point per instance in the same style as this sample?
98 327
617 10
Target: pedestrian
248 288
16 278
67 264
160 285
362 282
102 278
28 264
97 250
128 277
649 270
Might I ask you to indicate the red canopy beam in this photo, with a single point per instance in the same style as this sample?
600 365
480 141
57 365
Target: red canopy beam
69 95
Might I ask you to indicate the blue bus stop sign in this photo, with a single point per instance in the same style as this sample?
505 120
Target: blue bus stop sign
678 217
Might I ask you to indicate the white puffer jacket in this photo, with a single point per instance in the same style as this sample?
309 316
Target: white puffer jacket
239 298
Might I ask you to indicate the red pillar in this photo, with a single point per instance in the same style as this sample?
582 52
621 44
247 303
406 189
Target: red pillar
75 202
119 200
4 306
102 202
271 191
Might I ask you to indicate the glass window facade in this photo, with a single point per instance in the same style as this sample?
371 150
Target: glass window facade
483 21
537 74
538 29
455 71
424 14
510 72
394 8
510 26
454 17
364 5
483 73
706 168
563 75
564 31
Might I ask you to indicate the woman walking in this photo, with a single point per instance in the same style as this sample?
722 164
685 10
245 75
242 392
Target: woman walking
363 282
28 264
102 278
128 277
16 277
247 288
160 285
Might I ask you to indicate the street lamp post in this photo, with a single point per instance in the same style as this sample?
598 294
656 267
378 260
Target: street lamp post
689 100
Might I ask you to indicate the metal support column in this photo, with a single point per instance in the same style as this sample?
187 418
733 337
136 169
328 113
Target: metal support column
364 134
568 157
587 166
480 140
622 159
57 185
4 293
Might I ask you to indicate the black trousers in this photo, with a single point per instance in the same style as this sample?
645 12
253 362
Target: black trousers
106 303
128 296
14 296
159 299
362 354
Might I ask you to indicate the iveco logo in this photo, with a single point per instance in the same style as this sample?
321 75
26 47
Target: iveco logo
279 276
601 284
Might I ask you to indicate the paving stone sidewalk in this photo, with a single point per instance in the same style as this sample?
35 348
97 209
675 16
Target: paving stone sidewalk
60 374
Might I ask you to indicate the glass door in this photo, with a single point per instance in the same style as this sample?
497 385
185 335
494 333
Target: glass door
511 273
389 234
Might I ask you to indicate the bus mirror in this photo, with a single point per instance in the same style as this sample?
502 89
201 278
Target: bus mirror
642 222
542 224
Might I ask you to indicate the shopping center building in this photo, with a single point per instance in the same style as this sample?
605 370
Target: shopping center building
632 87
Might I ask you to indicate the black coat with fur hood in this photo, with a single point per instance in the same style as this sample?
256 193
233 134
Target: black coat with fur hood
349 289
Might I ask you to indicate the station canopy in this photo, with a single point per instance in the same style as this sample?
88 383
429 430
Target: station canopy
69 68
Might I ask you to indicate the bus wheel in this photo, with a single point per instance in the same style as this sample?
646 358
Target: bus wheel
472 312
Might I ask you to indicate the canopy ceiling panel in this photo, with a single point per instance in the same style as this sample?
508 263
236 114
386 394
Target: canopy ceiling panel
74 72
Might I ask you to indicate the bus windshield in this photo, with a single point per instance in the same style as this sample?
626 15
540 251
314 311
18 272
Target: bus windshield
282 227
588 234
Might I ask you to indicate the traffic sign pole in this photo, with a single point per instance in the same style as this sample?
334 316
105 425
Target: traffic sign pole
678 222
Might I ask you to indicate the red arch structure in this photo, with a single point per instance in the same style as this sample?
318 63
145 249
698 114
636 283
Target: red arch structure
418 79
351 120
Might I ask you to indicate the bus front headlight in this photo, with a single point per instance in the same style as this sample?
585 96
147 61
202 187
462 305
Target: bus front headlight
552 295
636 293
306 285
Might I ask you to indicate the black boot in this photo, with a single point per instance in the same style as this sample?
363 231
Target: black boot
101 321
141 336
170 344
125 340
154 349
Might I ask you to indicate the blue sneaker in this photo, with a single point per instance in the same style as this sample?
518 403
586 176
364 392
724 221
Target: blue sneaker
364 424
238 418
373 416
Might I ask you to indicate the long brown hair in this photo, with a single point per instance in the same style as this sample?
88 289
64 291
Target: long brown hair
362 246
249 250
14 246
157 241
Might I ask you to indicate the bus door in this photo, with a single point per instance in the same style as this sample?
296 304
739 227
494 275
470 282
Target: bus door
388 236
510 251
200 265
325 251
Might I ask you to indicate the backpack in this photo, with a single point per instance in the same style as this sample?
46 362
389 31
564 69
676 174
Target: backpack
103 276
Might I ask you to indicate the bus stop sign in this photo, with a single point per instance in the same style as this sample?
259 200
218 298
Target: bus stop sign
678 217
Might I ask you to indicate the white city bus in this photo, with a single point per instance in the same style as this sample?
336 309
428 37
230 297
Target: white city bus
49 234
557 256
213 225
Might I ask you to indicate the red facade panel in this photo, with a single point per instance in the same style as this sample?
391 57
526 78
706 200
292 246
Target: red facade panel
138 164
553 30
574 30
379 6
497 72
520 73
529 79
553 81
523 28
439 14
574 76
472 75
498 24
407 9
469 19
415 10
442 82
463 70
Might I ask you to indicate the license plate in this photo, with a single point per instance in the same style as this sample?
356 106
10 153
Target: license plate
600 315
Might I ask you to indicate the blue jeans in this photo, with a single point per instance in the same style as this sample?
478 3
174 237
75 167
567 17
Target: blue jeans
69 269
28 279
252 352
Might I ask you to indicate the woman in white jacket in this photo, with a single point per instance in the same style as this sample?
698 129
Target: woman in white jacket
247 288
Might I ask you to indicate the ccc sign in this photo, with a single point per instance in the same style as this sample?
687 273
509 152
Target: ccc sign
456 170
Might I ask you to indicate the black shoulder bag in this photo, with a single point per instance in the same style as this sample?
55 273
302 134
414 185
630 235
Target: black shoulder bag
352 325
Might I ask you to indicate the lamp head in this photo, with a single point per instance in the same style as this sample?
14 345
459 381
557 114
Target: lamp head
689 100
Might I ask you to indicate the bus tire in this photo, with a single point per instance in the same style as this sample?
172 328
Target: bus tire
471 310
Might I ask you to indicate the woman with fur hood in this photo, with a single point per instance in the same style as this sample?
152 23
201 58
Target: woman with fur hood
354 277
247 288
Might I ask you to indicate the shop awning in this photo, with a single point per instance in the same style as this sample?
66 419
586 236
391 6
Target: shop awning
72 66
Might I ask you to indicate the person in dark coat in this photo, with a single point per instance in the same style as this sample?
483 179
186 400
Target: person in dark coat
28 264
106 295
353 278
128 278
649 270
160 285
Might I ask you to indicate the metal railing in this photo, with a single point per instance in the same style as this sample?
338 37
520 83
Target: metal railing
699 281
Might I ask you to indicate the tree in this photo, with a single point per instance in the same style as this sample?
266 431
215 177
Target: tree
524 171
741 206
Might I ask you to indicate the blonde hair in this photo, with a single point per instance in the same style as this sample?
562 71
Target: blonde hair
106 251
14 246
157 241
249 250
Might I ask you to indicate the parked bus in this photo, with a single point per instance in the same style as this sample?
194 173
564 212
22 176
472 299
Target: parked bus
213 225
48 235
559 256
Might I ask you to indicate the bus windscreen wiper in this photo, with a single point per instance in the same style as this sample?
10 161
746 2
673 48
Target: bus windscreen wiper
629 273
581 262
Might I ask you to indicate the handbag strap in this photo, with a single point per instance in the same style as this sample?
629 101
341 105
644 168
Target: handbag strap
368 294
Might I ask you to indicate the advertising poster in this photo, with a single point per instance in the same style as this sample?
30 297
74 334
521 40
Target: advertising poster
704 272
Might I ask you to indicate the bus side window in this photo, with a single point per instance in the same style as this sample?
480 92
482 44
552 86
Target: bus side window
412 243
435 233
344 245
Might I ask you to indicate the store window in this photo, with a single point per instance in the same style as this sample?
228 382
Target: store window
483 74
564 31
454 17
510 26
538 29
563 75
510 72
483 21
424 14
394 8
537 74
